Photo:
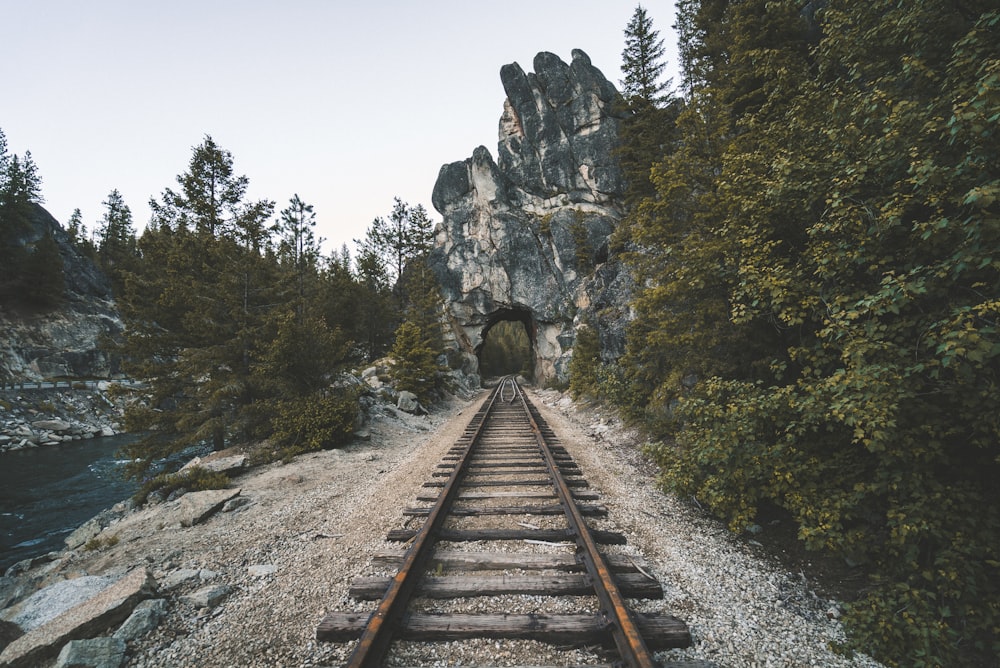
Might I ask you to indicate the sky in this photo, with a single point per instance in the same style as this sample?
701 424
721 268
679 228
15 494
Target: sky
346 103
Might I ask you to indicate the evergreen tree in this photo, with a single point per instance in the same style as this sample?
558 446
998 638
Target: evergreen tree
642 61
20 192
198 309
377 315
298 247
116 251
649 110
817 327
407 233
43 278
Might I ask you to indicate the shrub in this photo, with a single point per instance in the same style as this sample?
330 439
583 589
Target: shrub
313 423
194 479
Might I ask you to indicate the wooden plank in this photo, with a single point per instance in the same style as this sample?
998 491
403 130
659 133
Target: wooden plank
549 535
659 631
497 561
586 509
466 496
631 585
521 482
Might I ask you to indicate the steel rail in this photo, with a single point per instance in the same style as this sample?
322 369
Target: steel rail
629 641
384 621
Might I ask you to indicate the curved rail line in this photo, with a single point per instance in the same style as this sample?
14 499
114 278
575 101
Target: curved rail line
506 445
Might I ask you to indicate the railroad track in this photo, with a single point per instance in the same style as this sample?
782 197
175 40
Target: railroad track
510 488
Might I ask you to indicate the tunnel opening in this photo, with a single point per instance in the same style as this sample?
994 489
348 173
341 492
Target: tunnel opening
507 346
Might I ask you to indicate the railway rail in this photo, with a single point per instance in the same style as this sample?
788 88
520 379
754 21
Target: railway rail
508 486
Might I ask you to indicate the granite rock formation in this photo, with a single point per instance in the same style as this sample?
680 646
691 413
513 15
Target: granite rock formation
526 237
64 342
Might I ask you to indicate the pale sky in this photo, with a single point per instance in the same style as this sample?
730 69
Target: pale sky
346 103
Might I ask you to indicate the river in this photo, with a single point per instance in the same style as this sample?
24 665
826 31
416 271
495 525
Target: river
47 492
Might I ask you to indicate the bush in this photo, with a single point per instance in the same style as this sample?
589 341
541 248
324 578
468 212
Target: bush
313 423
194 479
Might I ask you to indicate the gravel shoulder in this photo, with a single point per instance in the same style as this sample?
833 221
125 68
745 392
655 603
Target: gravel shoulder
311 527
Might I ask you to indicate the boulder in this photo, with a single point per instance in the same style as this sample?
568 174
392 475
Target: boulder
93 653
196 507
227 465
52 425
108 608
57 598
178 577
407 401
208 597
146 617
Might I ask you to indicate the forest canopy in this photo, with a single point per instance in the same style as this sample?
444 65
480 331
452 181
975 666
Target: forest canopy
818 241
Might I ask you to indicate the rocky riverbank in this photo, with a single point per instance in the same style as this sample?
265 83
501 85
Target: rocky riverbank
35 418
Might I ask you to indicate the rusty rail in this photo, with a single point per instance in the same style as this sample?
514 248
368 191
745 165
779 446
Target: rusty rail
391 619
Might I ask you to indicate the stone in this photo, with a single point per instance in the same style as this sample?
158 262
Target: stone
107 431
85 532
208 597
52 425
407 402
369 372
108 608
196 507
218 465
235 504
57 598
92 653
146 617
262 570
175 579
9 631
525 237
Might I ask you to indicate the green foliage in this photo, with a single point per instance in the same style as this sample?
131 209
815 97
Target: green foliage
98 543
642 64
43 280
415 367
819 323
506 350
584 365
234 336
117 250
31 268
313 422
194 479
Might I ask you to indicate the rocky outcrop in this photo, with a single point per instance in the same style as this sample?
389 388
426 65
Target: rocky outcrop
526 237
64 342
36 418
108 608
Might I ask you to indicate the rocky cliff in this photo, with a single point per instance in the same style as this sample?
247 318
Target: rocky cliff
63 341
525 237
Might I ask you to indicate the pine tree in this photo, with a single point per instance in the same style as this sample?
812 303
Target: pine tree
116 251
298 247
649 110
20 192
198 309
642 62
406 234
43 277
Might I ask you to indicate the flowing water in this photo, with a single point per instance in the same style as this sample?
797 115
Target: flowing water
47 492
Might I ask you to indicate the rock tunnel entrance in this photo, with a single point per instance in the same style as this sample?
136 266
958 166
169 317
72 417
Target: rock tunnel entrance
507 345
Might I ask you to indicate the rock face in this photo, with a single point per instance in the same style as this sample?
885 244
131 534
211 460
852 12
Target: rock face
63 342
526 237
